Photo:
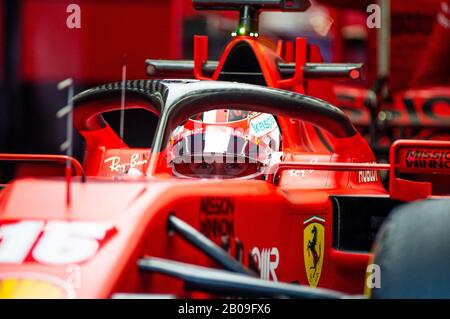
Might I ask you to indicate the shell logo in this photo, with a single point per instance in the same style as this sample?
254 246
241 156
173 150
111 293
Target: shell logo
33 286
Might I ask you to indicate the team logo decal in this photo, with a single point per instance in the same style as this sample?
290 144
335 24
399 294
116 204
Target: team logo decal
313 248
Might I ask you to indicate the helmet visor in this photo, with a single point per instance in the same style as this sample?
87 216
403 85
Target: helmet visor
231 150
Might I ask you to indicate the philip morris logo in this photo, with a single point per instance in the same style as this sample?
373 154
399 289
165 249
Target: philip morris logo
217 217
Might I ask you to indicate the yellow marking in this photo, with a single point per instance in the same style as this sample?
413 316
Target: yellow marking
313 251
28 289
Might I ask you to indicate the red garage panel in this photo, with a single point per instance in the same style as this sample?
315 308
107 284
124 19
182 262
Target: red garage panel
109 30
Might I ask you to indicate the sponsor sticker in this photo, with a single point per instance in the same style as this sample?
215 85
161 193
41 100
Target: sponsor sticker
416 158
217 217
262 125
267 261
125 163
367 176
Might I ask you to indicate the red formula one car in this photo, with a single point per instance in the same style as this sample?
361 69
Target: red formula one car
225 203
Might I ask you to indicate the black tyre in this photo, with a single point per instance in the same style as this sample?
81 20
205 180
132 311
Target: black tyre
413 251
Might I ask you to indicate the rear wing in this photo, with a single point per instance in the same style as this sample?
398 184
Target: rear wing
417 169
247 29
177 68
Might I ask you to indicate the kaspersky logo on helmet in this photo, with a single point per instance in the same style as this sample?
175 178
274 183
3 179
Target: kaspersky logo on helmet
262 124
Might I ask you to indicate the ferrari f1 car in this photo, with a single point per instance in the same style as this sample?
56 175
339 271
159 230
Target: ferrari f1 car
227 202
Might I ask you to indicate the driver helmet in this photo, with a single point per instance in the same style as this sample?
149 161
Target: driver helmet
224 144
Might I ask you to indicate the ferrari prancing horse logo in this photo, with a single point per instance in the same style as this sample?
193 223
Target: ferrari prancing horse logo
313 248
